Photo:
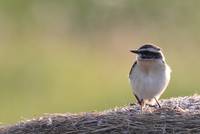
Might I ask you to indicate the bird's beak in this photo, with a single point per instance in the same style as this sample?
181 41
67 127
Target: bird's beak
134 51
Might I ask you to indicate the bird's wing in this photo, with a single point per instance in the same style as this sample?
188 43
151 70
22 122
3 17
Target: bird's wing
138 100
132 68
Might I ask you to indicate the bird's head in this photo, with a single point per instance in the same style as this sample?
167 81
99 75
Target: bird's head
149 52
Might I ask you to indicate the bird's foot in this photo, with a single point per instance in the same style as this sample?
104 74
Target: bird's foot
154 106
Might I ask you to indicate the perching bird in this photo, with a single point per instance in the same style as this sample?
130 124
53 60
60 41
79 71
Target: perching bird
149 75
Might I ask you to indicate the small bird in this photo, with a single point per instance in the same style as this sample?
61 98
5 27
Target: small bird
149 75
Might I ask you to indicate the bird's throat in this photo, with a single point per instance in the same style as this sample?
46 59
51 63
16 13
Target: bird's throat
147 65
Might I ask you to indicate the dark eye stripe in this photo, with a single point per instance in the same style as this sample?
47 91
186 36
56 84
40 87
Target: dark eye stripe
150 54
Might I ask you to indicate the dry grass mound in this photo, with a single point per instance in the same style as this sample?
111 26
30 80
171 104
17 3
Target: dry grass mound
177 115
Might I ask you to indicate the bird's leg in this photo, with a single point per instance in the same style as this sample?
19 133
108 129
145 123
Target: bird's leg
142 104
138 100
157 102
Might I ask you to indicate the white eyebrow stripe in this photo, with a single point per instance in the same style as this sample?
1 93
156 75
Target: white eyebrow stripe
149 49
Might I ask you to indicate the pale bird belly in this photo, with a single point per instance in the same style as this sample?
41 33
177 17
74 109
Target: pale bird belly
148 86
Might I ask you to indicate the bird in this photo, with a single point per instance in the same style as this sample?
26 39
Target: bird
149 75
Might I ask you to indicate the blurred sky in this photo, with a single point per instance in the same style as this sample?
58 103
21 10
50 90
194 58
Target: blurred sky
73 55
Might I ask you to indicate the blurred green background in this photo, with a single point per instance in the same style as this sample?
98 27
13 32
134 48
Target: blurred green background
72 55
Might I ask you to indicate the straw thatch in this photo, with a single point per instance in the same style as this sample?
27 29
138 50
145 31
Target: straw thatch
177 115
